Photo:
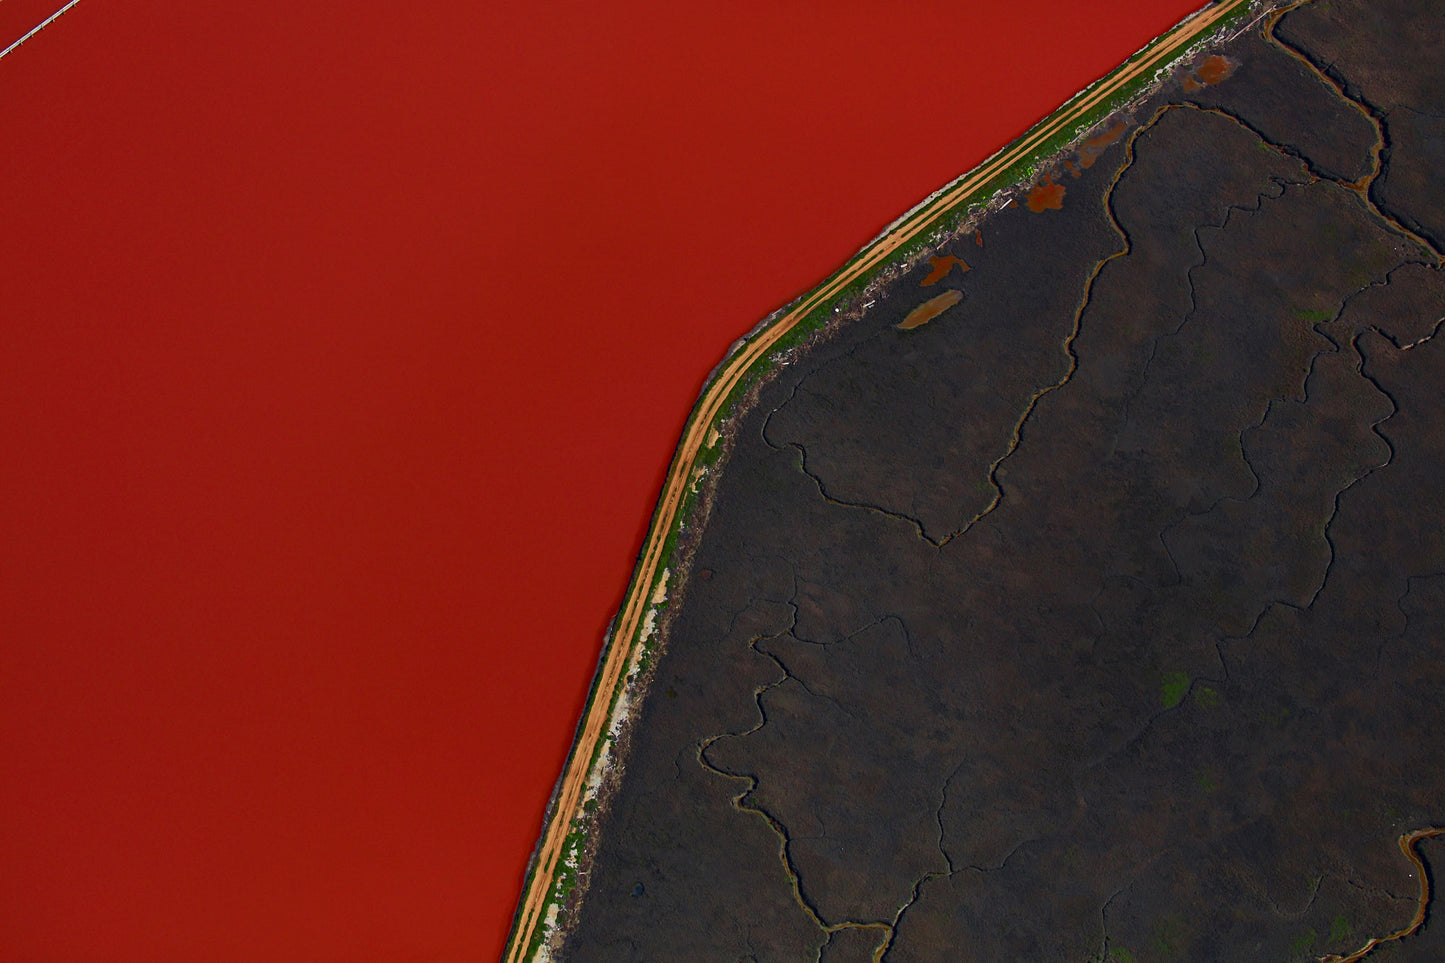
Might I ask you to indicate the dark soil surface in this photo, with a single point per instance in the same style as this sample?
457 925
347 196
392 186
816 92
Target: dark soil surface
1103 615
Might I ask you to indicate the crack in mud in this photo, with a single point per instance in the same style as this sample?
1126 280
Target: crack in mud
1413 344
743 803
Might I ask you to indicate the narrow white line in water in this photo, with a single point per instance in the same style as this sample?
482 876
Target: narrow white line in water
38 27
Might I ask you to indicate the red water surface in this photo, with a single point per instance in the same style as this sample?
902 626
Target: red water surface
343 347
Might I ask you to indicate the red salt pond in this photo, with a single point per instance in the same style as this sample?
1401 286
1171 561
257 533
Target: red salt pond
310 528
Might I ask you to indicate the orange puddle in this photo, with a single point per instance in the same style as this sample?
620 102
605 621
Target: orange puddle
1090 150
941 267
930 309
1215 68
1047 196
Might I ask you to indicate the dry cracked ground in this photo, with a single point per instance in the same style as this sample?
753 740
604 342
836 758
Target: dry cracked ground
1103 615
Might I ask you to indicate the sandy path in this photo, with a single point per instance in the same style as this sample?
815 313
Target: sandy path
529 913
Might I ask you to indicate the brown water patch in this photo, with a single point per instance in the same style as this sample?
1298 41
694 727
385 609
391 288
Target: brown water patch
1091 148
941 266
1047 196
978 237
1069 166
930 309
1214 69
